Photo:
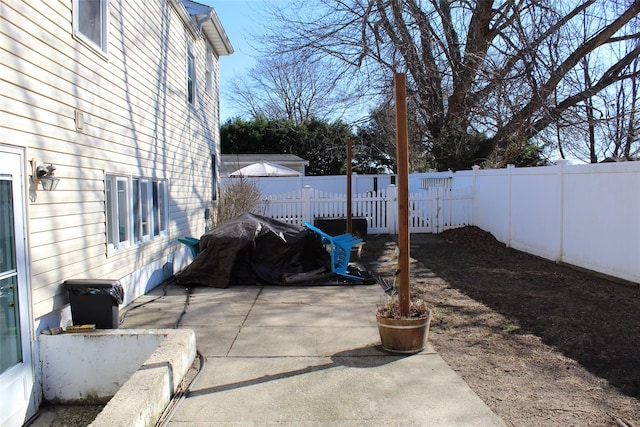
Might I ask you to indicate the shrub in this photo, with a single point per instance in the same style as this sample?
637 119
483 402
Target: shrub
238 196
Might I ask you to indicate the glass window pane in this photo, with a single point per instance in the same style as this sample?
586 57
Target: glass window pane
209 71
156 209
137 228
10 337
162 204
144 207
191 77
214 181
7 249
159 203
122 211
90 20
10 348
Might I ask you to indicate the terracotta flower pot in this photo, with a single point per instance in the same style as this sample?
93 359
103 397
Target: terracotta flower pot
407 335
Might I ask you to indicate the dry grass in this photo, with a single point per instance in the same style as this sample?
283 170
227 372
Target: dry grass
540 343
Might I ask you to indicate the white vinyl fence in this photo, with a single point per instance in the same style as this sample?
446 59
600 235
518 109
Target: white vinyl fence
431 211
583 215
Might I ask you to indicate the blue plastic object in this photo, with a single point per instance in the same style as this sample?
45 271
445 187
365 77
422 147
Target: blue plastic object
340 250
192 243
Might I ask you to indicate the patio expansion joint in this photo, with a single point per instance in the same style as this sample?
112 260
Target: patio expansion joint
253 304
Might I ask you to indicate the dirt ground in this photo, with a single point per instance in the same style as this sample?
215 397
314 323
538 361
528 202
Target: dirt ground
541 344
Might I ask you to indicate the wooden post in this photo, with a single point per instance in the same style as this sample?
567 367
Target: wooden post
348 185
402 150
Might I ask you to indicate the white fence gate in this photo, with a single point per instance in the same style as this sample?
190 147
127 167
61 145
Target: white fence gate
431 211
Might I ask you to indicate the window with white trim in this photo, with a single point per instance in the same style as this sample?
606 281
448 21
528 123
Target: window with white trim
214 179
136 210
90 22
191 76
117 206
159 206
209 72
141 217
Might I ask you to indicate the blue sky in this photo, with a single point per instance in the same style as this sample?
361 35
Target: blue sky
239 19
242 19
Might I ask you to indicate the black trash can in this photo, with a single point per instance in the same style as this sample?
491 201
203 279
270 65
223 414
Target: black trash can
95 302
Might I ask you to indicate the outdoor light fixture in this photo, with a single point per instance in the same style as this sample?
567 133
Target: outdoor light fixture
44 175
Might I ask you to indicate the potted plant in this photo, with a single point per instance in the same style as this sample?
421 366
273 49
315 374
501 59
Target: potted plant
403 333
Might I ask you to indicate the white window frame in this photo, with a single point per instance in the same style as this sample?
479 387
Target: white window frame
101 46
209 71
191 76
159 207
139 215
140 209
118 221
214 179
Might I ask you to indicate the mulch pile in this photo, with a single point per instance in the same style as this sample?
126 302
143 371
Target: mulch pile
471 236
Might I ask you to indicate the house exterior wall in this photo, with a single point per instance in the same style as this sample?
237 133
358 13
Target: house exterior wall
135 122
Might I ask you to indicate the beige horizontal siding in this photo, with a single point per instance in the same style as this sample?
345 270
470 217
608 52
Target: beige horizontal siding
72 231
136 123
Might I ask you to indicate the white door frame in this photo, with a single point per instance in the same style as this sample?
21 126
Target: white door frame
17 384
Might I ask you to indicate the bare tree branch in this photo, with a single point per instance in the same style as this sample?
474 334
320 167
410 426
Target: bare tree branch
519 123
487 68
612 75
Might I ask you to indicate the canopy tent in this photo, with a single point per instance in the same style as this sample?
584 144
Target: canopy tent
262 169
